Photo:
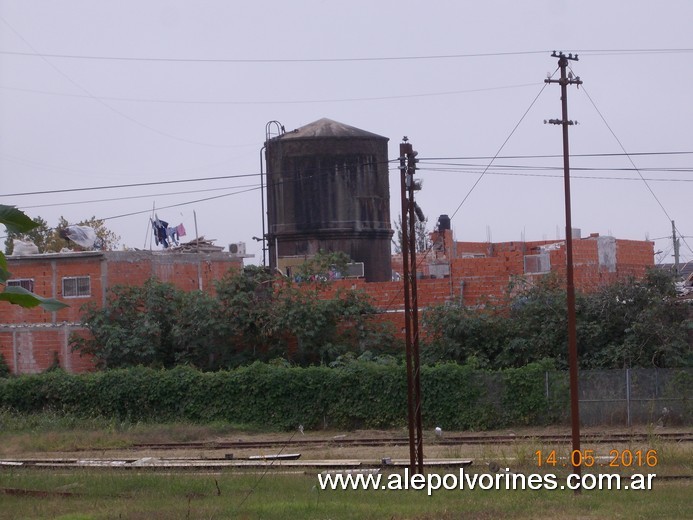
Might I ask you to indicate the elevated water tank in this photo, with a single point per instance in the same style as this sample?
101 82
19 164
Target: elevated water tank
328 189
443 223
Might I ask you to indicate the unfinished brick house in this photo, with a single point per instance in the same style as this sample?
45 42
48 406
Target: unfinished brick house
476 273
471 273
32 340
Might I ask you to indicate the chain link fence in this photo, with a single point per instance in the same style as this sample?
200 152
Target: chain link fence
626 397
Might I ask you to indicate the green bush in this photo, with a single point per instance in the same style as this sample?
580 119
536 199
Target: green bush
251 317
4 367
633 323
357 394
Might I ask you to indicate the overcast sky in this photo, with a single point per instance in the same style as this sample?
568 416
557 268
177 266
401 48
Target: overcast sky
112 93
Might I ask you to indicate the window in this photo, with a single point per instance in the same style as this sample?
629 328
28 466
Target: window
537 264
26 283
76 287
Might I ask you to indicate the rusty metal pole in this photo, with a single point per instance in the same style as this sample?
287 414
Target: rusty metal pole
576 455
262 206
404 148
416 363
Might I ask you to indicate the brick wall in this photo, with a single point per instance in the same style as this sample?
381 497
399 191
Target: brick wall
32 340
480 273
31 349
48 272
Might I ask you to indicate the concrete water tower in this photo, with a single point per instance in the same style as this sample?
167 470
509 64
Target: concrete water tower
328 189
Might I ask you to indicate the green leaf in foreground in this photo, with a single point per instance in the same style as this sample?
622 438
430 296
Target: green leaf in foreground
4 273
20 296
16 221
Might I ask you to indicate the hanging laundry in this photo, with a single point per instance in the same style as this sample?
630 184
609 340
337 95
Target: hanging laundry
160 231
172 235
165 235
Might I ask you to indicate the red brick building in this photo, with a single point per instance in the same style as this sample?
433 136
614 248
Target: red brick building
32 340
475 273
472 273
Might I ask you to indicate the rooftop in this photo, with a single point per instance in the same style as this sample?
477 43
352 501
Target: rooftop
328 128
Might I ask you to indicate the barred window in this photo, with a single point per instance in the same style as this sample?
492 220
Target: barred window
76 286
26 283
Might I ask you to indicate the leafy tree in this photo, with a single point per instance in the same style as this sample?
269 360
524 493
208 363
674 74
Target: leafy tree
48 239
15 221
422 235
132 329
317 330
199 332
641 324
632 323
322 265
155 324
39 235
252 316
537 324
528 327
466 336
160 325
269 318
245 308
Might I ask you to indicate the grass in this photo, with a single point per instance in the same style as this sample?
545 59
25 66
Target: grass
111 494
55 432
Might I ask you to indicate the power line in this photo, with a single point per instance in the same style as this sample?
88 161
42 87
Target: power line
547 176
664 255
138 184
649 188
550 156
180 204
593 52
37 164
274 102
461 170
625 153
499 150
102 102
132 197
617 52
268 60
283 180
443 170
523 167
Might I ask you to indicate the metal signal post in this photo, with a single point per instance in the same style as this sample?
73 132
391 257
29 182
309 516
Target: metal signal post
570 284
407 166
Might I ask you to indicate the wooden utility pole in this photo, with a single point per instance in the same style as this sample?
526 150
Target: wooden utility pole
676 250
576 454
407 166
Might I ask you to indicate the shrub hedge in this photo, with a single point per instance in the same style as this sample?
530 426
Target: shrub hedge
357 395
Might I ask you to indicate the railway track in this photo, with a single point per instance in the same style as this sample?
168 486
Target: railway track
287 461
451 440
216 465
